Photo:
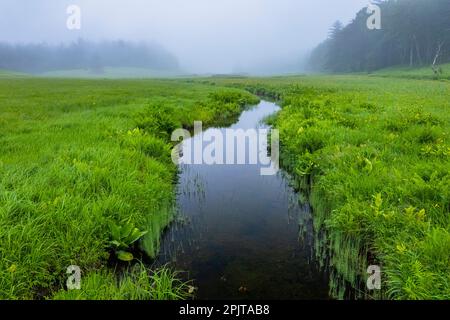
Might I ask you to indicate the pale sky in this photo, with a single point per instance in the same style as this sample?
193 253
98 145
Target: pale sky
205 35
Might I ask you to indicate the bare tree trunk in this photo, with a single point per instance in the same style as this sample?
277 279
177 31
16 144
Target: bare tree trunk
411 56
436 70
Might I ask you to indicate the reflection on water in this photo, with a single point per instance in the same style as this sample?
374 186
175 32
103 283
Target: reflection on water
238 234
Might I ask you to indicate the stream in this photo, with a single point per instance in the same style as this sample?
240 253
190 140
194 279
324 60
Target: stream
241 235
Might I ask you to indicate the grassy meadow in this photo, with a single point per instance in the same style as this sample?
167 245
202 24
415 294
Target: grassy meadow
371 154
86 178
425 73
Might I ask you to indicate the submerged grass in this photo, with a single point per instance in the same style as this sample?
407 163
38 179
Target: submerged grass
79 155
372 155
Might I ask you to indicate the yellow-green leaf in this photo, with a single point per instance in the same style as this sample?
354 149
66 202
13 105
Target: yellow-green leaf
125 256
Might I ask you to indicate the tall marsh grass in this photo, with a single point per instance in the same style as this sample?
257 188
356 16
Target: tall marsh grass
372 156
79 155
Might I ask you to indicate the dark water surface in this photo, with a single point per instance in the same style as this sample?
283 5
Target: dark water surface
239 232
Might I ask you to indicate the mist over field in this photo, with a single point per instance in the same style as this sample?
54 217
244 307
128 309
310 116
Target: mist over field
224 36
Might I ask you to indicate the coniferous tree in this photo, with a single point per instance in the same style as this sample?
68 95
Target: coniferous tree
413 33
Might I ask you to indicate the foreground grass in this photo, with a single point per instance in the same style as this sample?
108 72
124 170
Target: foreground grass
79 158
135 284
372 157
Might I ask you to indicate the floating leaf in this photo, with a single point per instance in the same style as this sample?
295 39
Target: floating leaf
243 289
124 256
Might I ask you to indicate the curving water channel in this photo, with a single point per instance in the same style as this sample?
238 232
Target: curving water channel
238 234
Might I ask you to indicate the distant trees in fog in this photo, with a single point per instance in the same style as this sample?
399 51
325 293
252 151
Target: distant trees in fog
36 58
413 33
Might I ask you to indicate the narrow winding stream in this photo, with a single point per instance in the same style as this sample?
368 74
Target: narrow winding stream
239 235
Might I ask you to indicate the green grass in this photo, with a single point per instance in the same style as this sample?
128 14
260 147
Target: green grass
11 74
135 284
111 73
415 73
370 153
372 156
77 156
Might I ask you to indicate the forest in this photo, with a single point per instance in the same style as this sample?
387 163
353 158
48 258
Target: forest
83 54
413 33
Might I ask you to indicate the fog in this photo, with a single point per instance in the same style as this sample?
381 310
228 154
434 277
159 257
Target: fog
206 36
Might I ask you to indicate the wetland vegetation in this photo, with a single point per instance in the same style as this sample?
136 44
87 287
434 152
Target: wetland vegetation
370 154
79 157
89 189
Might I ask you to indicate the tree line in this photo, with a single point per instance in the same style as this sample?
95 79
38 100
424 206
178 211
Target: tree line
36 58
413 33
